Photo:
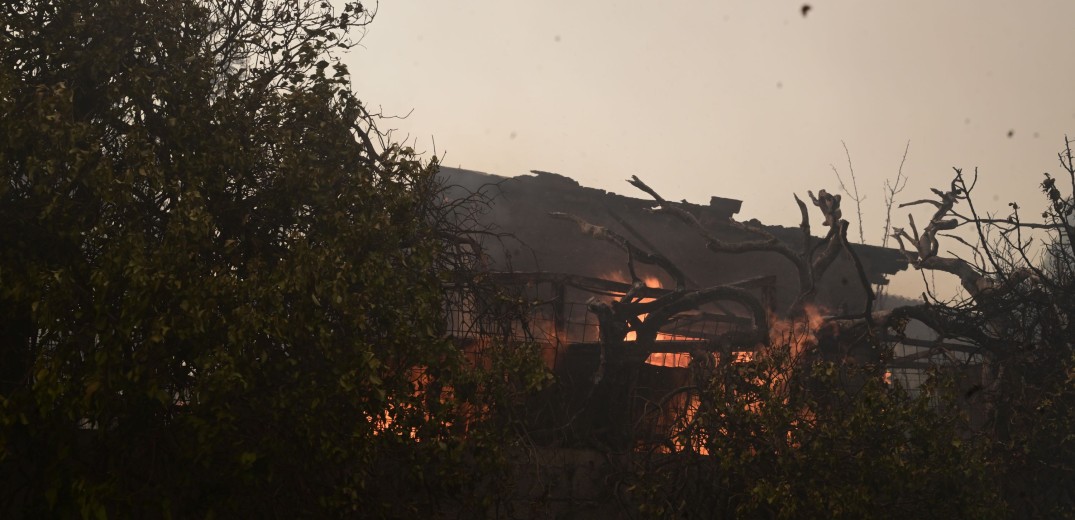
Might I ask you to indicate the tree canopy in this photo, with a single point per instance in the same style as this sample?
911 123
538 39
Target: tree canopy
220 284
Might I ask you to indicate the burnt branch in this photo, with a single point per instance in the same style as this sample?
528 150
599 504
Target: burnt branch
633 252
924 254
768 243
854 184
811 264
829 205
863 279
660 311
834 244
804 225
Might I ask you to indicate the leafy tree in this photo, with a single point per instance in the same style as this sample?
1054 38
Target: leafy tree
220 286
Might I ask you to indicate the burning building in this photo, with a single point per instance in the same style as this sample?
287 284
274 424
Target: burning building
620 318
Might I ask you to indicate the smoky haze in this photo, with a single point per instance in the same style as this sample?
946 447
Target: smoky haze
743 100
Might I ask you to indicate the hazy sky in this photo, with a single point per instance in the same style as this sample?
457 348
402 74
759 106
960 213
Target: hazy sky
742 99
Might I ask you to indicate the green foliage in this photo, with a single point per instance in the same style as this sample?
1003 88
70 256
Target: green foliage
218 295
1032 394
780 437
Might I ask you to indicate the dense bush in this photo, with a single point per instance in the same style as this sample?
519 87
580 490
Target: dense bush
220 286
779 436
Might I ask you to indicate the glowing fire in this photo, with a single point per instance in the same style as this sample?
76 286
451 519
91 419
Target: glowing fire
683 359
659 359
619 276
799 333
669 359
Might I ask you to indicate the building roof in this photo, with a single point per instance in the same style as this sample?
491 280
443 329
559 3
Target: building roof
521 206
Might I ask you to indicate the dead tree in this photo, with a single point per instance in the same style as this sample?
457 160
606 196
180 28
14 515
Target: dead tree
1019 315
629 313
999 282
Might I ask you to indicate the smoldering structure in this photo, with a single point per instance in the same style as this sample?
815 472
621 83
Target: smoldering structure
624 295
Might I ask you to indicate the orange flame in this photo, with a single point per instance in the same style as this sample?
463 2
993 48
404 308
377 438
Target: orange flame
669 359
619 276
799 333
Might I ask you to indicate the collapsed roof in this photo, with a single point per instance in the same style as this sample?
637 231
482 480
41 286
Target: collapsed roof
520 206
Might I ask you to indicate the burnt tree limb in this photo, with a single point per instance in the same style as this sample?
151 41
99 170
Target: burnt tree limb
924 246
811 263
768 242
633 252
660 311
664 308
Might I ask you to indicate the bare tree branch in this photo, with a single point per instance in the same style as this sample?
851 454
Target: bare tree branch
603 233
854 195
